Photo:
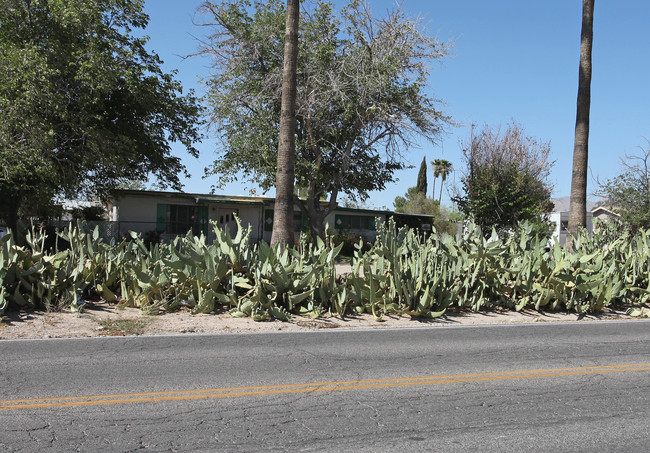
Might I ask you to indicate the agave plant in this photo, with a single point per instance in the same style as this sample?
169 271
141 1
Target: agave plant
402 273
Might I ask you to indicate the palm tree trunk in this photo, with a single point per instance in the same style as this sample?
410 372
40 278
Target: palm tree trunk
11 214
578 206
285 175
442 183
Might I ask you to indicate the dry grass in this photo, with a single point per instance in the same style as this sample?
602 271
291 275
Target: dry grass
122 327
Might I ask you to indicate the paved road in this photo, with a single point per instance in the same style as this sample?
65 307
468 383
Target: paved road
541 387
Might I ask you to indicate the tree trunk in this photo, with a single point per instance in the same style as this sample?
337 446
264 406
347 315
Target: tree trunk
316 224
285 176
316 213
433 195
9 212
442 183
12 219
578 206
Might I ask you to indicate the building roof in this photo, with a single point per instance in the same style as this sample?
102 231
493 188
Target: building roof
229 199
603 210
198 197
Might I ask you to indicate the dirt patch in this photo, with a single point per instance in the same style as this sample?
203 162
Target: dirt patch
102 319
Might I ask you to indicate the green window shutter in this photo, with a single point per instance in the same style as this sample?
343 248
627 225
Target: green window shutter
161 217
203 219
305 223
268 220
373 224
338 222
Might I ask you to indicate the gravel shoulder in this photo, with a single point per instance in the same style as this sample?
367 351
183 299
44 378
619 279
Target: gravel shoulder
103 319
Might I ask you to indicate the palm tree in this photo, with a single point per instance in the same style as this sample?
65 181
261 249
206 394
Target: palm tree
285 175
442 168
435 176
578 206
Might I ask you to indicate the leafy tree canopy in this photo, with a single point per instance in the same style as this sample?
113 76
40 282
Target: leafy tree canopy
506 180
84 104
362 96
628 194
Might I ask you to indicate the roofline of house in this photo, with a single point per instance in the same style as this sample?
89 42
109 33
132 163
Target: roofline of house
607 210
588 213
242 200
406 214
195 196
364 210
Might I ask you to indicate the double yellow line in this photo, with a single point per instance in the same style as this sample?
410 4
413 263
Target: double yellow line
182 395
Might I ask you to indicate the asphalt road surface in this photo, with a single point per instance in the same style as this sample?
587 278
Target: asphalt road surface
538 387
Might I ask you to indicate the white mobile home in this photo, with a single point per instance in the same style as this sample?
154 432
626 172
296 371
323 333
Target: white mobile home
168 214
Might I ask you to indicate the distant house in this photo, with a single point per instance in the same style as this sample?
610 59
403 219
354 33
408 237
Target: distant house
168 214
603 213
560 217
561 222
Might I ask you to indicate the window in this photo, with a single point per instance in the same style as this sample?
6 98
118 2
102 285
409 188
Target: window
354 222
179 219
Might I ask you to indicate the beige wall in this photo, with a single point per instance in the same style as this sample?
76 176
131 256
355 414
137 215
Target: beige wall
138 213
248 215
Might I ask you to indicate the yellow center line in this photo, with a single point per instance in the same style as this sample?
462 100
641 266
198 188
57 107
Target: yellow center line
311 384
94 400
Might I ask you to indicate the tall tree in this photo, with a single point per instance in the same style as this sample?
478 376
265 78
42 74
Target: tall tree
441 168
433 191
286 165
506 180
84 104
422 177
361 99
578 206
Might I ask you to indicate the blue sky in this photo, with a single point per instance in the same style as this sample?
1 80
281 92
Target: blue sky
511 60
